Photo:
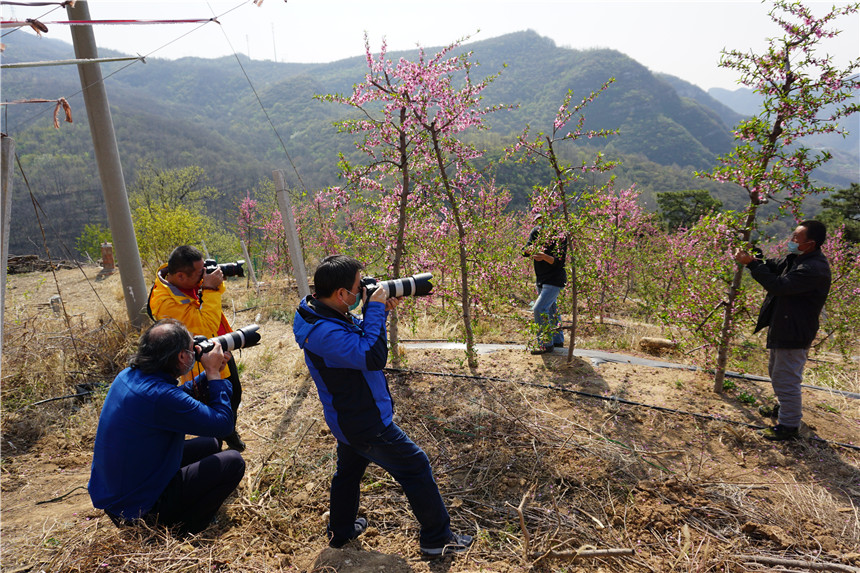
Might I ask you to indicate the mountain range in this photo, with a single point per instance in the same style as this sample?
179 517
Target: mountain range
239 119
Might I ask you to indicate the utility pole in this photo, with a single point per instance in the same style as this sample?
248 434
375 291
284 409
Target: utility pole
6 157
109 166
296 256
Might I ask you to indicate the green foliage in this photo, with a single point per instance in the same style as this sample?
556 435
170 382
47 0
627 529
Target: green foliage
683 208
90 241
171 188
161 229
827 408
169 209
221 244
843 208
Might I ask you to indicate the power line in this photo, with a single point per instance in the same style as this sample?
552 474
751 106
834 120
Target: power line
140 58
262 107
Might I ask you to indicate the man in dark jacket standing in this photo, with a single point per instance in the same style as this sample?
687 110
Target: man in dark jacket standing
548 254
345 356
797 287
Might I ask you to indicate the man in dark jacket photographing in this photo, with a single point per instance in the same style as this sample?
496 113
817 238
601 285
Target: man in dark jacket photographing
345 356
797 287
547 248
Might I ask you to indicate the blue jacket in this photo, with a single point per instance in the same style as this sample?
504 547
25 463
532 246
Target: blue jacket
345 357
141 434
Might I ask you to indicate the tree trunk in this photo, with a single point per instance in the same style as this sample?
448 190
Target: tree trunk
725 335
728 315
471 355
567 236
393 333
574 316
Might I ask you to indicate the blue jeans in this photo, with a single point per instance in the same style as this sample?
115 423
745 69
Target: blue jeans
547 317
393 451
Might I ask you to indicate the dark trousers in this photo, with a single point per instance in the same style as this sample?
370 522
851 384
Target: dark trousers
201 485
393 451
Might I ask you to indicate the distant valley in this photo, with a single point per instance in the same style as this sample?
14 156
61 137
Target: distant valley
204 112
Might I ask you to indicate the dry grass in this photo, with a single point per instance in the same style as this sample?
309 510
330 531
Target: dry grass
528 470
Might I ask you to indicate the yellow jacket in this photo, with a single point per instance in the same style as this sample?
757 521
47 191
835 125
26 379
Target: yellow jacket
202 318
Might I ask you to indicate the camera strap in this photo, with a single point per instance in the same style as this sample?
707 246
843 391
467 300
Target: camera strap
148 307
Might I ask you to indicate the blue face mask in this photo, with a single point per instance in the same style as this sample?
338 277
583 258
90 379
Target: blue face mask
793 248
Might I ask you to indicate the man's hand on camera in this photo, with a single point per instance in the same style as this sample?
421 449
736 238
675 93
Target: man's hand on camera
214 279
392 302
213 361
743 257
379 295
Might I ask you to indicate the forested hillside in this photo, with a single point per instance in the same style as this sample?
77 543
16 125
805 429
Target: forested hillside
172 114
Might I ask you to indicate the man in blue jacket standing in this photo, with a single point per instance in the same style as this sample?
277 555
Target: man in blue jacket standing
143 467
797 287
345 356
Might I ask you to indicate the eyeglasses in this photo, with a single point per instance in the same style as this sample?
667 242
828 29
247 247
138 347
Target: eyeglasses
355 294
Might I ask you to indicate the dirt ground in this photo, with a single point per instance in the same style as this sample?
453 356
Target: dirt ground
532 455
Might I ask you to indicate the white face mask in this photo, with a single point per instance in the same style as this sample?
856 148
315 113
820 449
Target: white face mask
190 364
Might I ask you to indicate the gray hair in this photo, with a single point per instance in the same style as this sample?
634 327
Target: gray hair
159 347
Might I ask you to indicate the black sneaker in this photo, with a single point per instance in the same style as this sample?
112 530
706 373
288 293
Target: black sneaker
769 411
234 442
359 528
779 433
456 544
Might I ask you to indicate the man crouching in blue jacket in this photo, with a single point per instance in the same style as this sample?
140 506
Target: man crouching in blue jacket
345 356
143 467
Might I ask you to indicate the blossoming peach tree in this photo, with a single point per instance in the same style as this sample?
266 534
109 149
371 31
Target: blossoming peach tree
410 116
560 201
803 93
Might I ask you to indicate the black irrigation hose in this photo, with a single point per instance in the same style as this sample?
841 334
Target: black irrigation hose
83 390
606 398
660 364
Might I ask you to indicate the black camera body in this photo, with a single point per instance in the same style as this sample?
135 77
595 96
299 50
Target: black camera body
229 269
416 285
242 338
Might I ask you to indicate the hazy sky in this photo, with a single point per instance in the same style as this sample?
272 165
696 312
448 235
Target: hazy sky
682 38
